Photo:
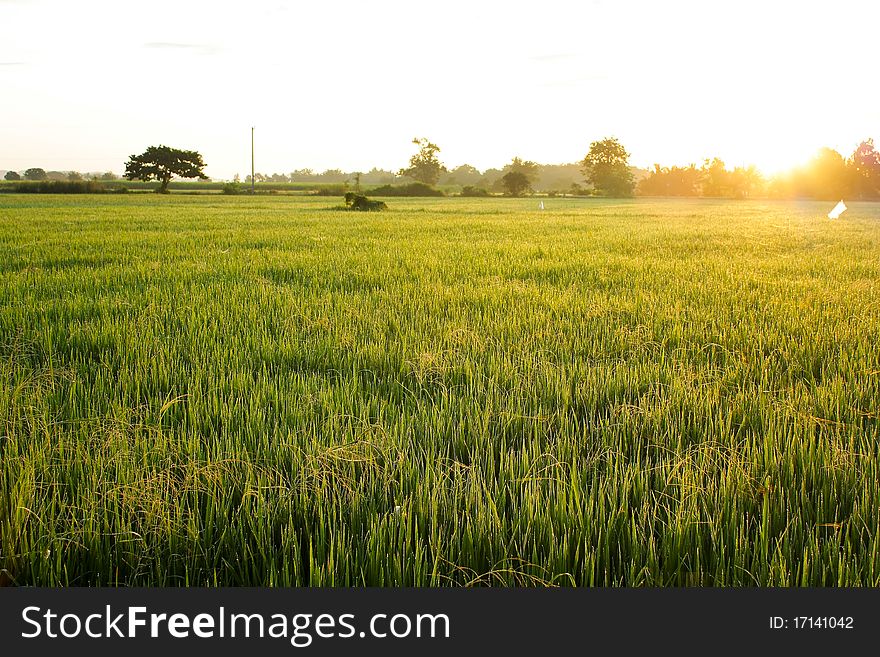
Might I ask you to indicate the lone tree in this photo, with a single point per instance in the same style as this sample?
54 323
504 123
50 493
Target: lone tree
12 175
162 163
36 173
516 183
519 176
424 166
606 166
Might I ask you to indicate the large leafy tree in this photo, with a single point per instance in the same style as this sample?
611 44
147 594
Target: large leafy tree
516 183
606 167
162 163
36 173
424 166
519 176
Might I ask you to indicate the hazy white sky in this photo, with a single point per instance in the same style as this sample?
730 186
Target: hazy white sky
348 84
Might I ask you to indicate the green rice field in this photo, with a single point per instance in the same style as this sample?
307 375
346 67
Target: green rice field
268 391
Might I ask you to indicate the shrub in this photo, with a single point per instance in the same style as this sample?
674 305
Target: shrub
232 188
362 203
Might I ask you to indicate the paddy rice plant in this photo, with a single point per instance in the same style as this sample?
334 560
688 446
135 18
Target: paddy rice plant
456 392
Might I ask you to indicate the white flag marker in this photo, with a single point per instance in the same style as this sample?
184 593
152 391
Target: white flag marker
838 210
541 205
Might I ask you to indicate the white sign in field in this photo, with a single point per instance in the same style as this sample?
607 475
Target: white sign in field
837 211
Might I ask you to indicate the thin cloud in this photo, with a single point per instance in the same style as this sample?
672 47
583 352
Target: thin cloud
12 63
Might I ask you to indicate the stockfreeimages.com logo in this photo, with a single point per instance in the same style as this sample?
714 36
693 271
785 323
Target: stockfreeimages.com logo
300 629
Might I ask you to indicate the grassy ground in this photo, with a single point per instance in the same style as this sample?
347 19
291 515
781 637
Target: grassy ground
262 391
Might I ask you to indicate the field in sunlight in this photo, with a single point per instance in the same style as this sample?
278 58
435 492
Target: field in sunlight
265 391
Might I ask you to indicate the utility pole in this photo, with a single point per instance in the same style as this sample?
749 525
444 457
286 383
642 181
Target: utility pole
253 187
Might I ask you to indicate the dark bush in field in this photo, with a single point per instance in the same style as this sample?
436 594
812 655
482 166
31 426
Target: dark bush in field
362 203
412 189
470 190
232 188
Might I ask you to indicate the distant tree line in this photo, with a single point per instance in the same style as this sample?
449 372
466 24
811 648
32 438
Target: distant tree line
37 174
548 177
517 178
829 175
604 171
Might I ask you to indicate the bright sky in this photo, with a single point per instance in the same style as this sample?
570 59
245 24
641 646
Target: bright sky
348 84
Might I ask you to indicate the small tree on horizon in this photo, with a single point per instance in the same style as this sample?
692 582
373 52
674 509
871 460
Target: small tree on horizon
606 167
36 173
163 163
12 175
516 183
424 166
